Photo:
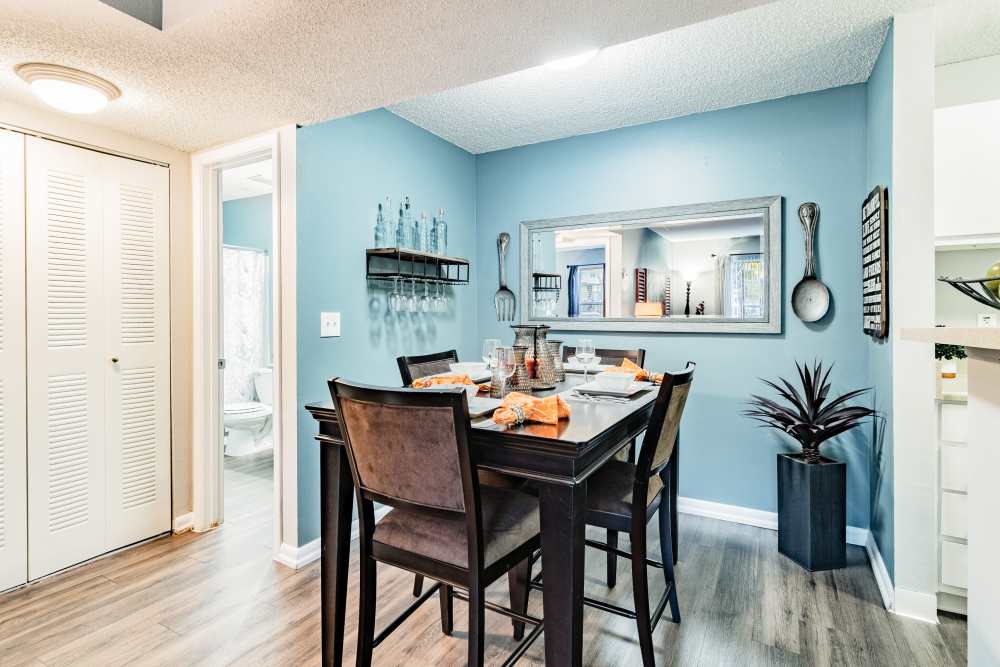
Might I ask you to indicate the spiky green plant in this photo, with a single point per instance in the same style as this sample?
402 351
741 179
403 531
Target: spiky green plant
808 416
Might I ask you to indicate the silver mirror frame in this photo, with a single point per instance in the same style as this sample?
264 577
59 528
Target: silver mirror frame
767 207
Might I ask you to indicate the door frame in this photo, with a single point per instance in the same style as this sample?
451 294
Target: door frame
206 395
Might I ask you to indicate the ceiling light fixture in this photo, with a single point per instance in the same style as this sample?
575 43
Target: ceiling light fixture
572 62
68 89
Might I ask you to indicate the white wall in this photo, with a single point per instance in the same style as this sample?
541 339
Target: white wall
912 258
967 169
73 128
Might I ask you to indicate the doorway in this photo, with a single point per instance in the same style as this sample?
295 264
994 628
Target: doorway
246 217
243 218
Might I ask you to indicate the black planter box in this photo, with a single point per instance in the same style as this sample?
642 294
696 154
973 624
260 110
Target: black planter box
812 512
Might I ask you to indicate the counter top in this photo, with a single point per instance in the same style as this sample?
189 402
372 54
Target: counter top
982 337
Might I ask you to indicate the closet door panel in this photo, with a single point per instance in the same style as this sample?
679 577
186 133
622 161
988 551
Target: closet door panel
66 352
13 445
138 390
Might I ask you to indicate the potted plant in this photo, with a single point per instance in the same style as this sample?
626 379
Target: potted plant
948 356
812 489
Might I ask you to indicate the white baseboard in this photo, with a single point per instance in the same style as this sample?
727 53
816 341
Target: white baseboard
881 573
920 606
184 523
298 557
751 517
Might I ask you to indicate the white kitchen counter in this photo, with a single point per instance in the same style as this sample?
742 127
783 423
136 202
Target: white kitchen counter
983 348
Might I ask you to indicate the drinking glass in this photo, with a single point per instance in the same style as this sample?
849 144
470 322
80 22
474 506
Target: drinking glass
490 346
425 300
504 367
440 303
585 354
412 303
395 299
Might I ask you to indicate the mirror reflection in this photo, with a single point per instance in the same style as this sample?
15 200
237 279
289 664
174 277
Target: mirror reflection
709 267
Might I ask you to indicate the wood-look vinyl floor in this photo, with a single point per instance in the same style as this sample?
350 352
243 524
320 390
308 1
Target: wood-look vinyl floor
217 599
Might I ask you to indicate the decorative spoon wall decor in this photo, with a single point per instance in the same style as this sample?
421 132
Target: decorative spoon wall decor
810 298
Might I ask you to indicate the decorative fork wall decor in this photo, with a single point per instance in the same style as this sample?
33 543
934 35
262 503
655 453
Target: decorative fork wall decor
504 300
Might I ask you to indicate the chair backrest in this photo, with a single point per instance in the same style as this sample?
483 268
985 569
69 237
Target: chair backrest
411 368
611 357
664 423
407 447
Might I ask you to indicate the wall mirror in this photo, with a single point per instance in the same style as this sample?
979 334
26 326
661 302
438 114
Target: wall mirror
702 268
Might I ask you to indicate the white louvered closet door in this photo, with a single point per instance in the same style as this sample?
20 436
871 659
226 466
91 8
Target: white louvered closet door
13 452
67 465
136 258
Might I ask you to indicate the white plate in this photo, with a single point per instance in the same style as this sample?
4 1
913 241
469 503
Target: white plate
573 367
480 406
483 376
594 389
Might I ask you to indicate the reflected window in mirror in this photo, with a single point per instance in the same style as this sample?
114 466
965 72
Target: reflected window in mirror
702 268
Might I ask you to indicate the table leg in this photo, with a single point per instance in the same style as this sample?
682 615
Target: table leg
563 511
337 489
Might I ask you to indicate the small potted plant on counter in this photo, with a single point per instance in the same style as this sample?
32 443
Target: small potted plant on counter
948 356
812 489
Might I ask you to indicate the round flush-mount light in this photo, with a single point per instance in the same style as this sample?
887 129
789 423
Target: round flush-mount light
68 89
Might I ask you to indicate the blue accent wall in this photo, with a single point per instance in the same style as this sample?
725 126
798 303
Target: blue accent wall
247 222
806 148
878 112
346 167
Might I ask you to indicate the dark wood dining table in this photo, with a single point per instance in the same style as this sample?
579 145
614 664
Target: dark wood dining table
558 459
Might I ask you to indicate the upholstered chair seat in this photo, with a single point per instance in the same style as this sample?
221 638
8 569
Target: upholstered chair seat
510 519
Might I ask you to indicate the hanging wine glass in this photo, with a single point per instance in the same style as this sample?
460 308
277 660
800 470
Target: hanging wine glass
395 299
425 300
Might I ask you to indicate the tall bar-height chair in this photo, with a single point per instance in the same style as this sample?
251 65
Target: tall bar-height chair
418 366
409 449
625 497
614 358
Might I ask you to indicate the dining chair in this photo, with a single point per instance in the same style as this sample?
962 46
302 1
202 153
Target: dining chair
418 366
409 449
609 356
625 497
614 358
411 368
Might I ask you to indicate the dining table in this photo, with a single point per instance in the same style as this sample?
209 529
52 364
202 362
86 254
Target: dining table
557 459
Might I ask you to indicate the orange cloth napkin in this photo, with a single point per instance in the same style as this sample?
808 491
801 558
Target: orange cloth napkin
518 408
424 383
641 373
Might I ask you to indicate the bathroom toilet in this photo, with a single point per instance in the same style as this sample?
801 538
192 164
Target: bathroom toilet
248 424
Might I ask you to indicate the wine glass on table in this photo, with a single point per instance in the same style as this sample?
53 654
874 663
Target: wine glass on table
490 346
504 365
585 354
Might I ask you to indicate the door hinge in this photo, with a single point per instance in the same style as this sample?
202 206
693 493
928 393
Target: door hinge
222 364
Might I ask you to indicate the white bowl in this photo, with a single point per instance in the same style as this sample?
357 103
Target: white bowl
612 381
473 369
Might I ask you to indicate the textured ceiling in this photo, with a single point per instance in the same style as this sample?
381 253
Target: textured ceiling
767 52
247 180
966 29
240 67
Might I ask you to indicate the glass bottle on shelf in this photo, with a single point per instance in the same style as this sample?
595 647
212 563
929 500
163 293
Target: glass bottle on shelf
432 236
412 240
442 233
402 231
381 231
424 234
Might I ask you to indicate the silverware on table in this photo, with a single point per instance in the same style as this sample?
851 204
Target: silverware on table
504 300
590 398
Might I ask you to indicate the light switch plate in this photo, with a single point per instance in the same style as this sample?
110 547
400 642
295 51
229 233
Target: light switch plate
329 325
